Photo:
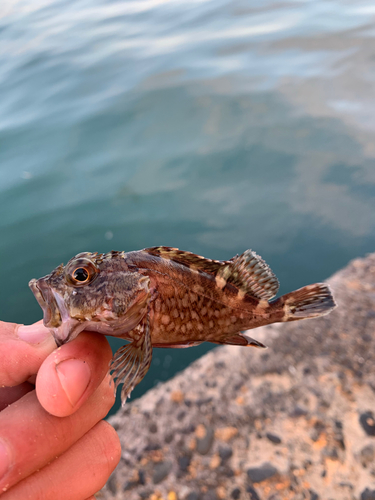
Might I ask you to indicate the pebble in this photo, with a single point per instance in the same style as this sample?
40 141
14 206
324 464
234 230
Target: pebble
226 471
161 471
339 434
145 494
367 421
367 455
298 411
153 428
193 496
184 462
236 493
317 431
220 364
169 437
261 473
226 433
331 453
253 495
141 477
177 396
273 438
313 495
188 429
210 495
112 484
203 401
225 452
215 461
129 485
152 447
368 494
345 484
181 415
204 444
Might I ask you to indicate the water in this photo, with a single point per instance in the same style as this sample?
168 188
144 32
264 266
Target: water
211 125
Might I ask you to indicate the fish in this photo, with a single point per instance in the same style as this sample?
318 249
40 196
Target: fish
166 297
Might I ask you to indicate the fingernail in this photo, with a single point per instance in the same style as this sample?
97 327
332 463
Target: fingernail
33 334
4 460
74 376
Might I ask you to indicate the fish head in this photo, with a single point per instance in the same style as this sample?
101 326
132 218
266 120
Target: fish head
96 292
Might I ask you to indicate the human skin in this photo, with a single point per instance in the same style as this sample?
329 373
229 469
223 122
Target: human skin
53 442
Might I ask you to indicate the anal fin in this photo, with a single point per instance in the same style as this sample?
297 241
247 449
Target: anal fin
241 339
182 345
131 362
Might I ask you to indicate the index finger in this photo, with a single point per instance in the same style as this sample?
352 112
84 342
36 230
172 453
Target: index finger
22 350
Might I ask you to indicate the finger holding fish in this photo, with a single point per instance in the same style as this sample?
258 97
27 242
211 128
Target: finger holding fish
67 376
72 373
22 351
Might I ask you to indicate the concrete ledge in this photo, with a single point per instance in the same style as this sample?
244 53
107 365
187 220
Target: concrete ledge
294 422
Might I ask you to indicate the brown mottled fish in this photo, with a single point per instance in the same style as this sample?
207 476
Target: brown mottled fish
164 297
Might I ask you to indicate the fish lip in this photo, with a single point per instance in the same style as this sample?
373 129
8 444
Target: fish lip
47 301
69 327
55 314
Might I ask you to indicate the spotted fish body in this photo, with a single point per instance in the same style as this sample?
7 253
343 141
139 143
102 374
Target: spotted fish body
164 297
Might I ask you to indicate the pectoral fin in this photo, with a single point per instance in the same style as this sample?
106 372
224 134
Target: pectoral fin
132 361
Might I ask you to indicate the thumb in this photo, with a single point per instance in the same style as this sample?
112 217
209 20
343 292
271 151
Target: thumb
22 351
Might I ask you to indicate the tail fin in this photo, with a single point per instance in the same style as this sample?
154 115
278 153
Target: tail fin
307 302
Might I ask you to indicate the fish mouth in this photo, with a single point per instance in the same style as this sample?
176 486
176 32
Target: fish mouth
46 299
55 314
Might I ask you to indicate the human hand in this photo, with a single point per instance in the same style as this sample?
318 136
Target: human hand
53 442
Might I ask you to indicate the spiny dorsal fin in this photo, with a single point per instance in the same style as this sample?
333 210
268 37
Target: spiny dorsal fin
189 259
248 272
251 274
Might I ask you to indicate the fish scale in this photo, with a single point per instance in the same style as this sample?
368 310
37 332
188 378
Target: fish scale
165 297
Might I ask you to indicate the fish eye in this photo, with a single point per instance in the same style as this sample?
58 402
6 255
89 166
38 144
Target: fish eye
80 272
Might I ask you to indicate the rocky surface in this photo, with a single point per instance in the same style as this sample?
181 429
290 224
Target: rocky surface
296 421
